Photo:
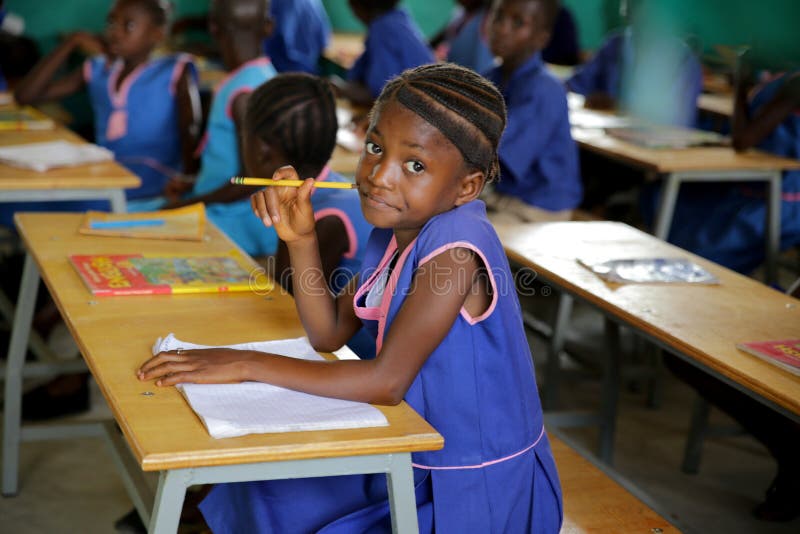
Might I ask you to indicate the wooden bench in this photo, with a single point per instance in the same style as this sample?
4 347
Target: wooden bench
594 502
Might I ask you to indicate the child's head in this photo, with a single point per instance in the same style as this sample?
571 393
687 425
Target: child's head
239 28
290 120
366 10
520 28
431 144
136 27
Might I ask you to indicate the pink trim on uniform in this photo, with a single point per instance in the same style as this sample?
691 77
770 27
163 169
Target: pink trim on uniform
117 125
388 293
373 313
87 71
484 464
177 71
233 96
791 197
201 145
464 244
263 60
324 174
348 226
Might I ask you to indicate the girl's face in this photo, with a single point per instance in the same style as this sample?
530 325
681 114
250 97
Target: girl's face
408 171
516 30
131 31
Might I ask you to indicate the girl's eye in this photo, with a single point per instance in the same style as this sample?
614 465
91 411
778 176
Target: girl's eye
372 148
129 26
414 166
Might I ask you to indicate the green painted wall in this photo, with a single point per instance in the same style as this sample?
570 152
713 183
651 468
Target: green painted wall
431 15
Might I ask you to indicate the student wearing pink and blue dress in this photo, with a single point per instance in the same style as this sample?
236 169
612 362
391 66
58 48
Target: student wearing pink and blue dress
144 107
394 43
302 31
465 40
642 69
539 178
458 356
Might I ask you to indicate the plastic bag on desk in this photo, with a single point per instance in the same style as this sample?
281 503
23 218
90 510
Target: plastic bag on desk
650 270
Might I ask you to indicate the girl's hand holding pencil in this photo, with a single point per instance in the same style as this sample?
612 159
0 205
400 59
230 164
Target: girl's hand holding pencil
287 207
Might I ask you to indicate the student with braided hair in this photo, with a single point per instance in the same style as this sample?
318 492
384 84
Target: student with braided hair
435 290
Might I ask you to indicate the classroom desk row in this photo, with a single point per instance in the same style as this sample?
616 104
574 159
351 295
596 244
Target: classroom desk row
675 167
164 435
699 323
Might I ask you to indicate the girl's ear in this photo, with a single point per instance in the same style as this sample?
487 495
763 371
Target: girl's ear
470 187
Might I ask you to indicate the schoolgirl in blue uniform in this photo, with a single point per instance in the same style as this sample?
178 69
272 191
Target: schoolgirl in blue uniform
394 43
435 289
302 31
539 172
143 106
727 224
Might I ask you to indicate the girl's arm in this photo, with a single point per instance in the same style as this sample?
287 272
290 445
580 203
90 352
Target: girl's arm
39 85
332 236
189 117
424 320
748 131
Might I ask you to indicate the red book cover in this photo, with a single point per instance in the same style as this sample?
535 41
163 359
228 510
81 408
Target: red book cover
138 274
783 353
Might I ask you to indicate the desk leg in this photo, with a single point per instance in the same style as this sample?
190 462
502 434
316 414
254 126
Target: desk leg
611 383
117 199
553 369
169 501
666 206
773 226
13 383
402 500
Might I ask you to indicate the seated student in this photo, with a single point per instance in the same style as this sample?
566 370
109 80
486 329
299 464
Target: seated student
726 223
644 70
539 178
394 43
459 357
302 31
239 27
465 39
563 47
144 107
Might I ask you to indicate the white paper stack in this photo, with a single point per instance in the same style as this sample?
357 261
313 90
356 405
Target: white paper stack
229 410
43 156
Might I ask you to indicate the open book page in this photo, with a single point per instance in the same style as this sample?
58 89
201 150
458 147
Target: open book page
229 410
43 156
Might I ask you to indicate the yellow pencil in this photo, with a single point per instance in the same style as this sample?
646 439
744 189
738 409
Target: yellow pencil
241 180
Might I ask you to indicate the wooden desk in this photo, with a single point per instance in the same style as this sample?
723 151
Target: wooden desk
698 323
594 502
698 164
720 105
105 181
115 336
344 49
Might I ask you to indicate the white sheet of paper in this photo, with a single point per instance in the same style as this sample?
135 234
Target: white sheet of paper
43 156
229 410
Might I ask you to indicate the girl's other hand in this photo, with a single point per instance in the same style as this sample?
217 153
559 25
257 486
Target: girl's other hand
287 209
200 366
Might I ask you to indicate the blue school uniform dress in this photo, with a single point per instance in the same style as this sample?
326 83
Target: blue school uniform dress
219 161
139 121
726 223
394 43
496 472
538 157
302 31
662 83
467 41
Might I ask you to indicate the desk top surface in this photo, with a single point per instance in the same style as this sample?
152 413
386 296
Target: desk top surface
716 103
106 175
593 502
704 322
115 335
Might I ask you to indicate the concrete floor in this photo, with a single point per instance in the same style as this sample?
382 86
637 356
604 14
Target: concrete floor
71 486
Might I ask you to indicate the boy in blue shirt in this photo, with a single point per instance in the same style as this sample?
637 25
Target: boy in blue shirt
539 176
394 43
302 31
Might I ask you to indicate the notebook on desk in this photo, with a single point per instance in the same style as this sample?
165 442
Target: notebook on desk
667 136
24 118
43 156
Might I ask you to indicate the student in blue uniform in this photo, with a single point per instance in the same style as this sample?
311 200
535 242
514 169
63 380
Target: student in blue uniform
642 69
144 107
302 31
539 175
394 43
563 47
458 356
465 40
